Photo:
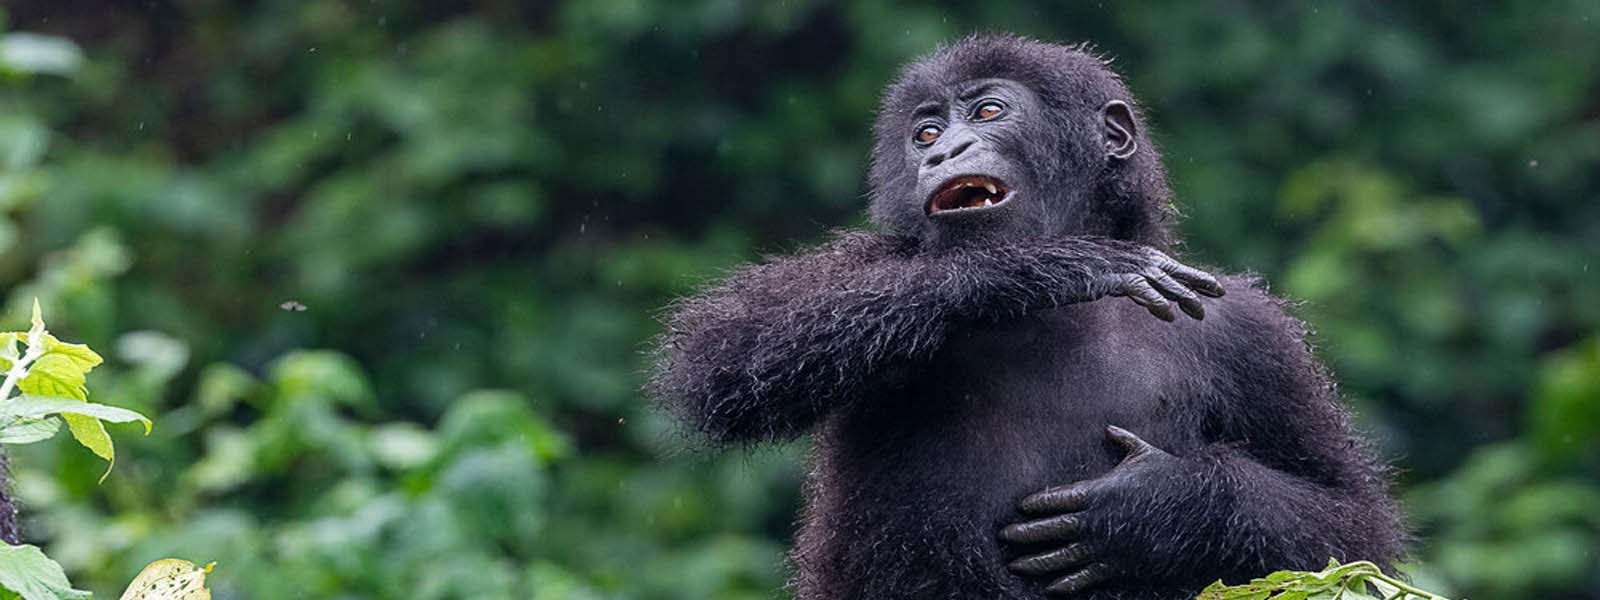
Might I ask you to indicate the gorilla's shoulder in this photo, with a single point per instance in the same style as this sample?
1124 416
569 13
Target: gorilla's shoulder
1251 304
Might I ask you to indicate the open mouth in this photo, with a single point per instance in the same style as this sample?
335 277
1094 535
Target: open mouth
968 193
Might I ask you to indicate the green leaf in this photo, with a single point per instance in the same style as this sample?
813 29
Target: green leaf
37 329
27 572
61 370
1336 582
8 350
92 435
29 406
83 420
28 431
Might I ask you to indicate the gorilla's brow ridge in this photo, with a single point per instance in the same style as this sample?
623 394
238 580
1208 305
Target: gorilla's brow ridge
928 109
978 88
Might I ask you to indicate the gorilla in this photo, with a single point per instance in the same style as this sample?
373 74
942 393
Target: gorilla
984 426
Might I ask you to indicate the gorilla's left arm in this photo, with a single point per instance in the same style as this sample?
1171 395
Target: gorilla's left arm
1282 483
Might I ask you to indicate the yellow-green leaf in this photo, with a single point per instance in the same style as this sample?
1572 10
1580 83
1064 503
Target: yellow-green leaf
38 322
60 371
170 579
8 349
89 432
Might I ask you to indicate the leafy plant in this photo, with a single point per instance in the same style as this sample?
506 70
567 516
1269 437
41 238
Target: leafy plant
50 375
25 572
47 376
1352 581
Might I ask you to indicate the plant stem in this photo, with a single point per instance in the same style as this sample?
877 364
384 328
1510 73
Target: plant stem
19 369
1405 588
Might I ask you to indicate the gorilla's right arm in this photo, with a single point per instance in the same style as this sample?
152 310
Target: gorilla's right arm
767 351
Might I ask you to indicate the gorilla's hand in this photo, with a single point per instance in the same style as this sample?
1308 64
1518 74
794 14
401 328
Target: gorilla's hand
1079 535
1156 281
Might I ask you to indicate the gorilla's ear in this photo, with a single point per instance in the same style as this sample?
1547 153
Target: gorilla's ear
1120 130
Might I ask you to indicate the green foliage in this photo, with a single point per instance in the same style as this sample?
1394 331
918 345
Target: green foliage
1354 581
26 573
50 375
480 205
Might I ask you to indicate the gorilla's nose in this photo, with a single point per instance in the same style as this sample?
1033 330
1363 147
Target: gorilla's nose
955 149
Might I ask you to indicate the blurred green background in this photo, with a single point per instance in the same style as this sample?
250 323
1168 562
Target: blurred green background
482 204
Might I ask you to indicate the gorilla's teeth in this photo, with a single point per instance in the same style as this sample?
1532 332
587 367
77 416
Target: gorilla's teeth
988 202
989 185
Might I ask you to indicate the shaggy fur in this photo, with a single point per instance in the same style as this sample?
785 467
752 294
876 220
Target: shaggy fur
946 382
9 530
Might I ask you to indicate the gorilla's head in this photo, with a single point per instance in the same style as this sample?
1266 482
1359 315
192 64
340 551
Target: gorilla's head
998 137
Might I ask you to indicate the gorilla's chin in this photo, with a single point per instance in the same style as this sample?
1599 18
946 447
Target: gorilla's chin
1001 223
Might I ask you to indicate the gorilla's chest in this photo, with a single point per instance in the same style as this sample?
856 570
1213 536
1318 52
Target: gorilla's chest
1025 401
1002 411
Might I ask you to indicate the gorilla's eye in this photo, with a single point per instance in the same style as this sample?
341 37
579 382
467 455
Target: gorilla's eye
928 134
988 110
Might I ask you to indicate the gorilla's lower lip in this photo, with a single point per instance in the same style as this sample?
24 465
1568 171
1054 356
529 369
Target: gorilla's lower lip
968 193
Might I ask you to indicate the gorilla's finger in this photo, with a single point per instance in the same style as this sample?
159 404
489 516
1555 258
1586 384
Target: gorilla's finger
1083 579
1057 528
1060 499
1133 444
1059 559
1200 281
1142 293
1170 288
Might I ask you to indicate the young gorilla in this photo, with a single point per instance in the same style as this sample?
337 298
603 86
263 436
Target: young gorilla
984 428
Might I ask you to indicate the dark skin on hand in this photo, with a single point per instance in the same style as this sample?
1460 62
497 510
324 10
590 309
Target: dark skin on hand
1059 514
985 426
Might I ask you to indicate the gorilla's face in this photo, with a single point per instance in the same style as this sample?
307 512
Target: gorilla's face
999 138
968 148
990 160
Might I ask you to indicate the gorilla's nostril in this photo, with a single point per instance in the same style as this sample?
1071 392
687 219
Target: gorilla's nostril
955 150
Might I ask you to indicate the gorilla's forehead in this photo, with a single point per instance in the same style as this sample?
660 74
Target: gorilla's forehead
972 89
1061 75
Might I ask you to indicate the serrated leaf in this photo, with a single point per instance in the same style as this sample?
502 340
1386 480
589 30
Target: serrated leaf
83 420
170 579
61 370
1257 590
27 572
28 431
30 406
1286 576
92 435
1336 582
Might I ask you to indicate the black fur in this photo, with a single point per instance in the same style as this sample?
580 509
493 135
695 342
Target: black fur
949 372
10 532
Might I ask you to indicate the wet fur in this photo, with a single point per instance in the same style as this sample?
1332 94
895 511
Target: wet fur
945 383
